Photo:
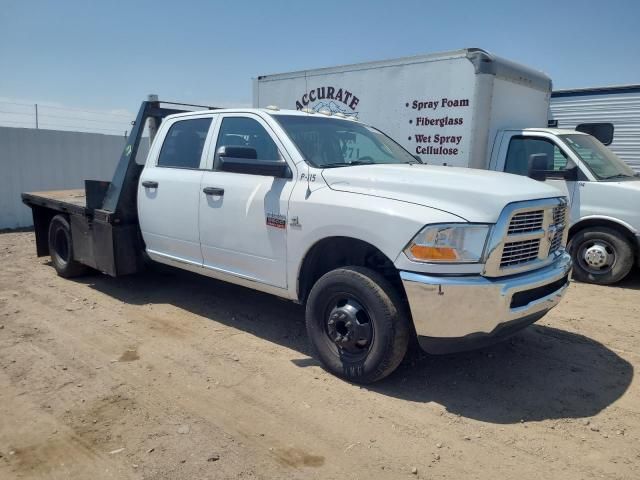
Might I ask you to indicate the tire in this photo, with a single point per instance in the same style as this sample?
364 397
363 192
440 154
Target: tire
61 248
370 331
600 255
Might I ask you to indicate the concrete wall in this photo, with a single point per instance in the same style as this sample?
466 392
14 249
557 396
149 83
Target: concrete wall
32 160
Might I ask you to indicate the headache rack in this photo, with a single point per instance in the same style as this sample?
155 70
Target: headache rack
104 216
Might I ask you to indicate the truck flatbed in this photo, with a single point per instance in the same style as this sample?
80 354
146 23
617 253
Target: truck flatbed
103 217
70 201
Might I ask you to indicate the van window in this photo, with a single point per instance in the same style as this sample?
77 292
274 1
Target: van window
521 148
182 147
247 132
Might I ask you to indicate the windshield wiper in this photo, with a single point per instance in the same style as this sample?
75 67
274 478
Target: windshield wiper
343 164
617 175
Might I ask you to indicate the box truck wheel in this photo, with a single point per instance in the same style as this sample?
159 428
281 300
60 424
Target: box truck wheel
356 324
61 248
600 255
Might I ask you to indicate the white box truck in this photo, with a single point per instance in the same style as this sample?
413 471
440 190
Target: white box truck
468 108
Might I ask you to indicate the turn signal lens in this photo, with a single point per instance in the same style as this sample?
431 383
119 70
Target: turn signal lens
433 253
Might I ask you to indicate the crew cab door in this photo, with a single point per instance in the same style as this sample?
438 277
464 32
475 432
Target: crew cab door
517 146
243 216
169 191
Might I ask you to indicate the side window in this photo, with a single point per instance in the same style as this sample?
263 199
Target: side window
247 132
520 148
182 147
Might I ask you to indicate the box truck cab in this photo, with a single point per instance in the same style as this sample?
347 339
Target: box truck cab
603 191
468 108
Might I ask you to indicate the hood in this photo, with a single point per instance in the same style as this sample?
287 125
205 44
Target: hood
475 195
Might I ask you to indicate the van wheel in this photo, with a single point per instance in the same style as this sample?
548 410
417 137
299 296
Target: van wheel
61 248
357 325
600 255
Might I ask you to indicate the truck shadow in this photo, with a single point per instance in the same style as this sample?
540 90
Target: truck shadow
632 282
541 373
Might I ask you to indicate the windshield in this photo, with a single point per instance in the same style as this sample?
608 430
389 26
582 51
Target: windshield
601 161
330 142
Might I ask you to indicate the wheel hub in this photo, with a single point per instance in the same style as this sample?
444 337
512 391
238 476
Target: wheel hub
596 256
349 327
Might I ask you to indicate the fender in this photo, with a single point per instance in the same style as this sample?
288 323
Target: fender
576 226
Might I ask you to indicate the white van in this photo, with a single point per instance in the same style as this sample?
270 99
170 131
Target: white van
472 109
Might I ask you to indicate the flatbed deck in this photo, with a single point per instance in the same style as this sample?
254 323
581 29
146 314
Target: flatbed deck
70 201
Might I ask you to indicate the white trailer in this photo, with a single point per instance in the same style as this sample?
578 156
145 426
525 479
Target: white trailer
617 107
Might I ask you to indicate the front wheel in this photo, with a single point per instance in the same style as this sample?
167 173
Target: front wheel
600 255
357 324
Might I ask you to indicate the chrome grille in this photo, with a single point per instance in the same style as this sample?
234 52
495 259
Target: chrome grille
526 222
556 243
527 236
516 253
559 214
559 221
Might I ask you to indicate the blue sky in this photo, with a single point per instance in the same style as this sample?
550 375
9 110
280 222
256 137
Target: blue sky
110 54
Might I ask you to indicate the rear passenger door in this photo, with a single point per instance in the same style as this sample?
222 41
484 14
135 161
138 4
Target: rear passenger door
169 191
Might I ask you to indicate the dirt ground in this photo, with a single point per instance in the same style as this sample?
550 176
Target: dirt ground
169 375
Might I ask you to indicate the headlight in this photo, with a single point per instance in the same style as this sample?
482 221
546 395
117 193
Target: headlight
449 243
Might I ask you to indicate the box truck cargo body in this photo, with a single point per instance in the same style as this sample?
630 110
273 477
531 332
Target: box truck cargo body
469 108
446 108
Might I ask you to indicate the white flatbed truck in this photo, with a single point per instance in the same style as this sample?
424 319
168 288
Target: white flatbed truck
379 247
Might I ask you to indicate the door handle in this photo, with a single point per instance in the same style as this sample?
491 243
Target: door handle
213 191
149 184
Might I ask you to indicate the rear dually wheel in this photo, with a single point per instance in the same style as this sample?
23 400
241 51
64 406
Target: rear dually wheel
61 248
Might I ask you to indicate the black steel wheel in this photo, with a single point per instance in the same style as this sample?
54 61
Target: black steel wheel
357 324
61 248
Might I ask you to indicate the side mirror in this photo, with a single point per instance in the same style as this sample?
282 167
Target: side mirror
538 166
237 152
570 174
601 131
245 160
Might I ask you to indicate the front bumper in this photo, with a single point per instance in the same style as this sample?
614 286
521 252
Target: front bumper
460 313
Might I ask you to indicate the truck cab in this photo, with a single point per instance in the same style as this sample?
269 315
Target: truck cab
603 193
